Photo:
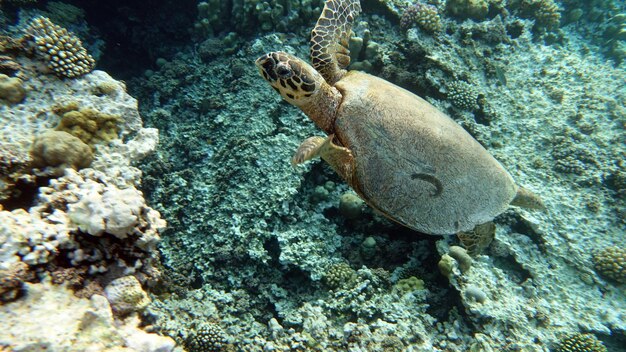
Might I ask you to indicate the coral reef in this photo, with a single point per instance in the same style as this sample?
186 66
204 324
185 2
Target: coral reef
476 9
615 34
261 256
248 232
89 125
339 275
477 240
71 216
351 206
247 16
51 318
545 13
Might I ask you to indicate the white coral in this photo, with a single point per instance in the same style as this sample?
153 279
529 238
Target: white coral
51 318
106 209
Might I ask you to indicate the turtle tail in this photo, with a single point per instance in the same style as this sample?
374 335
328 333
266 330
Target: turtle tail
527 199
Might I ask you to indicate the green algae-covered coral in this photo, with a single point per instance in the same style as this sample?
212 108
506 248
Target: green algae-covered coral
339 275
407 285
463 95
423 15
89 125
581 343
207 338
610 262
475 9
546 13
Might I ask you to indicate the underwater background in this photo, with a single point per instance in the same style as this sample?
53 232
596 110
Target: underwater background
148 203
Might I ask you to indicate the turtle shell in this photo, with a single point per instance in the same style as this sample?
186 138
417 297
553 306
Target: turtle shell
414 163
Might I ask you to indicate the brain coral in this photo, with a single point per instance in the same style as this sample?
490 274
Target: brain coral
60 149
63 52
126 295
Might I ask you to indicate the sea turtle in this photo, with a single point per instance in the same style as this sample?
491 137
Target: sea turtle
404 157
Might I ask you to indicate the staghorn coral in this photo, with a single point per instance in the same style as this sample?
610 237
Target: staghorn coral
610 262
63 52
423 15
581 343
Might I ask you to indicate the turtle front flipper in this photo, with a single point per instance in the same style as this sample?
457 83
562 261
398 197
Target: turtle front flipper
339 158
330 37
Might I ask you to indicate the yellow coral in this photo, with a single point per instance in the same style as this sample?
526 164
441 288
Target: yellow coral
60 149
90 125
11 89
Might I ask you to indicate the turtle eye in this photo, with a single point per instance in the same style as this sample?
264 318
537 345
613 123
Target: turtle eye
283 70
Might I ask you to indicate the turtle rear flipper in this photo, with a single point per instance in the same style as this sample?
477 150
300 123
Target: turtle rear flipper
329 39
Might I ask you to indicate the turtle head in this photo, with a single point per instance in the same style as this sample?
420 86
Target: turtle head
295 80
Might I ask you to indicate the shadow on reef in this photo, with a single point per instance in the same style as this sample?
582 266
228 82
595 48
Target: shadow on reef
137 33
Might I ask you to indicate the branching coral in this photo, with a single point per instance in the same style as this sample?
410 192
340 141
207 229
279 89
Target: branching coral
610 262
581 343
423 15
63 52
